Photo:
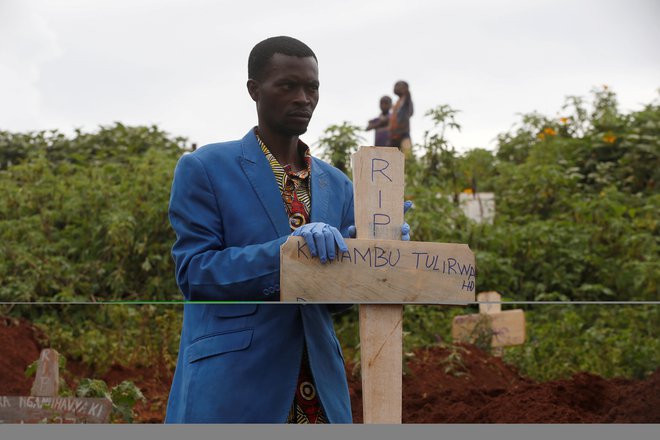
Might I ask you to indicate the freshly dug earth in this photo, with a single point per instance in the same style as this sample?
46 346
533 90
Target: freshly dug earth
459 384
463 384
20 345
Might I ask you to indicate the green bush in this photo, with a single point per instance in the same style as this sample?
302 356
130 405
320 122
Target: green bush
577 211
84 218
612 341
577 220
103 335
91 228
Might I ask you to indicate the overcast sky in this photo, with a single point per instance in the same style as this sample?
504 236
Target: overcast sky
182 64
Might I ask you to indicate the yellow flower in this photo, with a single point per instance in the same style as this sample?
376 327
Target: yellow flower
609 138
549 131
540 136
564 120
467 190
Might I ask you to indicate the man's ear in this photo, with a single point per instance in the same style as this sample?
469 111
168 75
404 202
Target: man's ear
253 89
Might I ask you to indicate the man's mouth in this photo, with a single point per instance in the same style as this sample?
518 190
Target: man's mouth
301 115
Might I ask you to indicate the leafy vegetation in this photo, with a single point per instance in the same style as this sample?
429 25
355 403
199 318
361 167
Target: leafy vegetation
577 220
612 341
577 204
124 396
84 218
143 335
338 143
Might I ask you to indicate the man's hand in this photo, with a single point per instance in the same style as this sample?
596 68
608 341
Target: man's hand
405 227
321 239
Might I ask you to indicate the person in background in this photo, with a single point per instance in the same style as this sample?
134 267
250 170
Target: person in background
381 123
399 124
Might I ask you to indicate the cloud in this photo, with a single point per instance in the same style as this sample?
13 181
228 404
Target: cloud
182 63
26 43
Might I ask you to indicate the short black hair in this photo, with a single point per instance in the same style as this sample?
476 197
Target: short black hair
261 54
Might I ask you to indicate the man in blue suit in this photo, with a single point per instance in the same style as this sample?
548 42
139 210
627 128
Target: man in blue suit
232 206
251 363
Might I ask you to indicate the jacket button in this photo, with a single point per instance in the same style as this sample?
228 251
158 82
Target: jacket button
277 287
266 292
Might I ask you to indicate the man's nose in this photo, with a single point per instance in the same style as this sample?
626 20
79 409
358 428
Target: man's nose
302 96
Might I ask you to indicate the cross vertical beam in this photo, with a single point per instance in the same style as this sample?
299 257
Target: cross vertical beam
378 179
484 298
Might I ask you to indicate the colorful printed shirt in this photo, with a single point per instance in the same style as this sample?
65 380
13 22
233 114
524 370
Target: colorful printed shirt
295 190
294 186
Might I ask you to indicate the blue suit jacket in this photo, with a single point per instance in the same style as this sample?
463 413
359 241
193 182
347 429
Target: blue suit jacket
239 363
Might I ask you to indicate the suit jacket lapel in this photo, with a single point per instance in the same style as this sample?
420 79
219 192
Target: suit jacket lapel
320 193
261 177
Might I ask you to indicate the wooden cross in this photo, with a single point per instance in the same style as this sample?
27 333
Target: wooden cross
44 405
381 272
504 328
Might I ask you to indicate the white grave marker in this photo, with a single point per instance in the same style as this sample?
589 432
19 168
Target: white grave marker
506 328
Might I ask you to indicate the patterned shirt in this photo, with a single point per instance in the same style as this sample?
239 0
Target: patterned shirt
294 185
296 194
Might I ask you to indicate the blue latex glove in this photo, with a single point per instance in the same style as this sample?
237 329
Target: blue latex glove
405 228
321 239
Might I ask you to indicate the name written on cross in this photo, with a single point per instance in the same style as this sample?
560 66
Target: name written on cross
361 253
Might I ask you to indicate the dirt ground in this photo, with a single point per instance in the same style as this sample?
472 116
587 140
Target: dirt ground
442 385
480 388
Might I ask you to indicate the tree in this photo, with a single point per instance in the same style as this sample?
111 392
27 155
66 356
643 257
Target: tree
339 142
440 158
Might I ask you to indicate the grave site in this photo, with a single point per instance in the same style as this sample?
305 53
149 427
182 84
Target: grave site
45 405
464 379
443 384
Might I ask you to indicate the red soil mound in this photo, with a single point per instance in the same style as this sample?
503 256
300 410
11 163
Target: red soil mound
467 385
20 345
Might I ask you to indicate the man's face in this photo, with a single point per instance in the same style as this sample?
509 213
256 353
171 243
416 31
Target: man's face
287 95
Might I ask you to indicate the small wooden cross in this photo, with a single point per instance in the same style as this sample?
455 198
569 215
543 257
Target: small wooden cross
44 405
504 328
381 272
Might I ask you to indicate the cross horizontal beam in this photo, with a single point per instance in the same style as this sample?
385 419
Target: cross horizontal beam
378 271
